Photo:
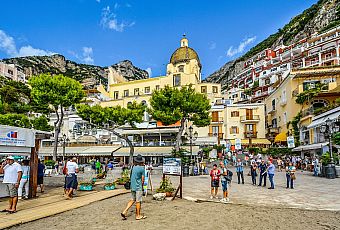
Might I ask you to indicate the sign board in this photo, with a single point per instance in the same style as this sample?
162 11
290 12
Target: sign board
238 144
17 137
213 154
172 166
290 142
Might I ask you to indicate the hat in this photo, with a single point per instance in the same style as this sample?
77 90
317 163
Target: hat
9 158
139 159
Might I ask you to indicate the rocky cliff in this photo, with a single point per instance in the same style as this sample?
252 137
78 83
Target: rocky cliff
88 75
323 15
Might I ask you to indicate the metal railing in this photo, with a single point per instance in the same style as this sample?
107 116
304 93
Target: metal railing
250 118
250 134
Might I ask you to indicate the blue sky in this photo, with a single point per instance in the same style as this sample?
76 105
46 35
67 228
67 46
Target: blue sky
104 32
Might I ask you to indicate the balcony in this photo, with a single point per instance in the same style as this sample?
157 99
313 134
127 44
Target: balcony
220 135
253 118
217 120
283 102
250 134
307 112
272 110
274 130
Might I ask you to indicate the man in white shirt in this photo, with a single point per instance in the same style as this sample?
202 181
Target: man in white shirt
71 177
12 175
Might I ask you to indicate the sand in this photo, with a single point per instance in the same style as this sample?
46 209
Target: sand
183 214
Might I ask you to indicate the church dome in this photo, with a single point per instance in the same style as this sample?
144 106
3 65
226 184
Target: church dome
184 53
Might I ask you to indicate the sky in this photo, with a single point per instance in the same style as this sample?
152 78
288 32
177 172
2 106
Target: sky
104 32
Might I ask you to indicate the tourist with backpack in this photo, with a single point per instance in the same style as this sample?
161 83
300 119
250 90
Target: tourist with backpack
226 177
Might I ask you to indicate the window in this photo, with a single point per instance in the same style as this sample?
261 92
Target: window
273 105
136 91
215 130
250 128
214 116
234 130
274 123
157 87
215 89
177 80
10 72
115 95
284 96
285 118
181 68
203 89
126 93
235 114
147 90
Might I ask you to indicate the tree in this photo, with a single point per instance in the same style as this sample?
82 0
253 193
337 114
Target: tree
23 121
110 118
170 105
57 92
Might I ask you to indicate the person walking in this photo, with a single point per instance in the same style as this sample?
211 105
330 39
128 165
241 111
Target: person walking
253 172
136 186
271 172
263 173
279 165
215 174
24 182
316 167
226 177
41 173
12 175
290 175
239 171
71 177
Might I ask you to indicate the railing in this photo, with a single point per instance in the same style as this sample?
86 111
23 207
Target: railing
220 135
307 112
250 118
153 143
217 119
273 130
250 134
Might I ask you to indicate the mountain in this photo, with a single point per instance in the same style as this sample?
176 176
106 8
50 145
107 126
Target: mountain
323 15
88 75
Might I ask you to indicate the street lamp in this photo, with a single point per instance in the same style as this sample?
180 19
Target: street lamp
330 128
191 136
64 140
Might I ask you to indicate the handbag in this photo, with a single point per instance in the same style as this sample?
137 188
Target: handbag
292 176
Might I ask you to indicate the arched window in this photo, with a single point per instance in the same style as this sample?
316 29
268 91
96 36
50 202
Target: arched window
319 103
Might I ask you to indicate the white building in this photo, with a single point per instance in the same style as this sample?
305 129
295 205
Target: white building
11 72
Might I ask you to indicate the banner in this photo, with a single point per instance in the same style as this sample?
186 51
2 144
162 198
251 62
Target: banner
290 142
14 136
172 166
238 144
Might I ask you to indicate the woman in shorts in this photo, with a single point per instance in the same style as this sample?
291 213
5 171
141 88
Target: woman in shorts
215 174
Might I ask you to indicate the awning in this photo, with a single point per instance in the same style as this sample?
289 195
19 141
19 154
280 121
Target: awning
310 147
258 141
322 120
281 137
107 150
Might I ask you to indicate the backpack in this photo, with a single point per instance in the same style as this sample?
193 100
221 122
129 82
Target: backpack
229 177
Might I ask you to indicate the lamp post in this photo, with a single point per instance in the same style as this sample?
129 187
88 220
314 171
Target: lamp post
330 127
64 140
191 136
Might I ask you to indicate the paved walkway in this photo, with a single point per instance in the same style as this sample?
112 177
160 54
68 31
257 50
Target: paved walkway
51 204
313 193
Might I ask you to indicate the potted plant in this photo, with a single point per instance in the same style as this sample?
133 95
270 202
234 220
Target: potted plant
125 177
166 187
110 186
85 186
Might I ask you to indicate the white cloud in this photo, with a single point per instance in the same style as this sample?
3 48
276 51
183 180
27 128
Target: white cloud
241 47
212 45
88 55
30 51
110 20
7 44
149 70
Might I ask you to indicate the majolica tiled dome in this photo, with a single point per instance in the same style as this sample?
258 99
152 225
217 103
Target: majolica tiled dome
183 54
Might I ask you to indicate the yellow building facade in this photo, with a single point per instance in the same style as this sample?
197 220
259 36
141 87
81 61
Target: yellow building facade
183 69
281 106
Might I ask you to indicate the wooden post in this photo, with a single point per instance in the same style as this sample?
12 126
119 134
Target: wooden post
33 181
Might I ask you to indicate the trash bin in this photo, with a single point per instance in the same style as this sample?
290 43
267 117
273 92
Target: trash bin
337 171
186 170
330 171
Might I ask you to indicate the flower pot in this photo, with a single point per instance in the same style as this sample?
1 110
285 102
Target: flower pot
84 187
109 187
168 194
